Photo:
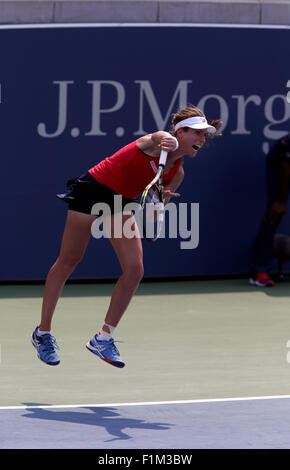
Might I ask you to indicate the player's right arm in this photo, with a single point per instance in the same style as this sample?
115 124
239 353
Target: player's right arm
153 143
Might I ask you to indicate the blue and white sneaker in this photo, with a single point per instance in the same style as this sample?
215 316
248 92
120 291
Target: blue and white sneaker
46 348
106 350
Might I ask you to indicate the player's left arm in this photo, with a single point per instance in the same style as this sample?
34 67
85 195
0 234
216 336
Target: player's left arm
169 189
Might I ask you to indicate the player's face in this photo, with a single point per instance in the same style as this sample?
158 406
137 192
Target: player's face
193 140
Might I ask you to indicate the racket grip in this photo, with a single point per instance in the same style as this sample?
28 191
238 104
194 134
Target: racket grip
163 158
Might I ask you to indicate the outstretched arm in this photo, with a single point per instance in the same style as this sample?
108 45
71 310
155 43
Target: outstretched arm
169 189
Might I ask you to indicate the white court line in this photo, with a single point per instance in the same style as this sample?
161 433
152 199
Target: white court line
142 25
147 403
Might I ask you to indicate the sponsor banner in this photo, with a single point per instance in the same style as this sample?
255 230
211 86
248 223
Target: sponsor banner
71 96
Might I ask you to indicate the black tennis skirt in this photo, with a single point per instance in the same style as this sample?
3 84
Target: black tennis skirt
85 191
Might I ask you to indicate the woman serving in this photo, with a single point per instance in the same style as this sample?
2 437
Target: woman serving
126 173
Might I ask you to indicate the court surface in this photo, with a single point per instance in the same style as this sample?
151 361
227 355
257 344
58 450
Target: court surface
206 367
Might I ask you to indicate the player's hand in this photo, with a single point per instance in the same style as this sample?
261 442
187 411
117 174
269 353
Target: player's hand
168 143
168 194
275 212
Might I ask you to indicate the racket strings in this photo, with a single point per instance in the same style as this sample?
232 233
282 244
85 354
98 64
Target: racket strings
153 214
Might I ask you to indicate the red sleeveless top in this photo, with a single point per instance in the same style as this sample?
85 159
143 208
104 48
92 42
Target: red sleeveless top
129 170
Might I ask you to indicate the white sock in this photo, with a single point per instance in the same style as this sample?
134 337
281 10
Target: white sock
104 335
41 333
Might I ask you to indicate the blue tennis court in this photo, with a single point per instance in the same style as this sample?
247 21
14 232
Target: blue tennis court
223 424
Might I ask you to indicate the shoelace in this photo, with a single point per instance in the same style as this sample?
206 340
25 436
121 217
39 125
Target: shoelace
113 347
49 343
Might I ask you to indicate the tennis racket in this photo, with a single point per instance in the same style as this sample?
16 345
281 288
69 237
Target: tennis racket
152 204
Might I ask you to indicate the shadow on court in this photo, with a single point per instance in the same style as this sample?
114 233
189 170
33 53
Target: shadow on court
107 419
242 423
155 287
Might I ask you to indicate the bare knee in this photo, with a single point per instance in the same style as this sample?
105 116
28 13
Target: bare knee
68 263
134 272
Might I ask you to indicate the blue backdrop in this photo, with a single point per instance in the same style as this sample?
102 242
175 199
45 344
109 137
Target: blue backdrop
70 96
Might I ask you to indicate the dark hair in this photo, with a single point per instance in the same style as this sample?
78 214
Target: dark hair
192 111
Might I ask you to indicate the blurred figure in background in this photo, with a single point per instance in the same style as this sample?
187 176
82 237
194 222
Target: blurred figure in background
278 181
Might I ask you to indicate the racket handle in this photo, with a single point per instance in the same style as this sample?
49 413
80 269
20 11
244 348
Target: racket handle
163 158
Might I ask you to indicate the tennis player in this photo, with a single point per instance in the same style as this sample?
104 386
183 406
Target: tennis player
125 173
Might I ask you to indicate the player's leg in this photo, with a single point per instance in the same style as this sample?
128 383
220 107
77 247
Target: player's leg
263 254
74 242
130 254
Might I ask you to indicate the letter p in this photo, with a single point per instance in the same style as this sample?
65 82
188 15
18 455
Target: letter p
97 110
